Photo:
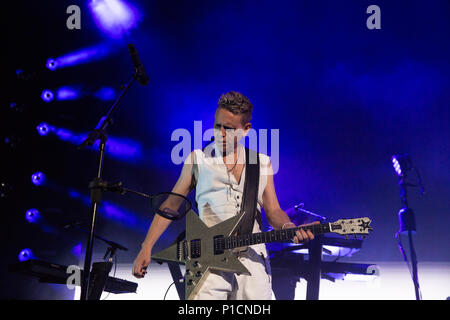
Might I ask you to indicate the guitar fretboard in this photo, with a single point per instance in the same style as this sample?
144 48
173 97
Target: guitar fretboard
270 236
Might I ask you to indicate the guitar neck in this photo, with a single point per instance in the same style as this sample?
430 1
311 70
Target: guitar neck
272 236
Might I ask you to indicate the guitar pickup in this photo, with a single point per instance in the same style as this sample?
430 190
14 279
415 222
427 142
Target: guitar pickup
196 248
219 244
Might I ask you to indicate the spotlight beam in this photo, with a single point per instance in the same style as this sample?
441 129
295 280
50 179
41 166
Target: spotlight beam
81 56
120 148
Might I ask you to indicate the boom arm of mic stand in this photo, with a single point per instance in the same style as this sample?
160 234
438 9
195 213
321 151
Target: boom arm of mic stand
117 187
108 242
99 130
124 190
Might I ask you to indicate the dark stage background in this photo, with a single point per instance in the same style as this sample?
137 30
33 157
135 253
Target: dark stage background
344 98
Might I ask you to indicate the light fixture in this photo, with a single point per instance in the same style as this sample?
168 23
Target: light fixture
25 255
32 215
51 64
47 95
114 17
402 164
43 129
38 178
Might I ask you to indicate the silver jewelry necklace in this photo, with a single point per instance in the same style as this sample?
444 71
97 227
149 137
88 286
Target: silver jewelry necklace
228 174
237 156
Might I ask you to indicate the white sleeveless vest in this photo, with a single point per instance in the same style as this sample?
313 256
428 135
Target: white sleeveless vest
218 194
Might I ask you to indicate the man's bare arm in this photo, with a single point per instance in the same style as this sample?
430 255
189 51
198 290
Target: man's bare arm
275 215
183 186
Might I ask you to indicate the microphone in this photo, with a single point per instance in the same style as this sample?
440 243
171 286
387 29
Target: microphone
141 75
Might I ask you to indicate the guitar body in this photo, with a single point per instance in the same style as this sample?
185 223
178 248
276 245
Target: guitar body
204 258
207 249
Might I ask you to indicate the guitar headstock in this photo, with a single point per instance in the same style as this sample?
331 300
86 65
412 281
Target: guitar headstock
357 226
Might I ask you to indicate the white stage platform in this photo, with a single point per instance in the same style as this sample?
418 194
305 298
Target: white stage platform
393 283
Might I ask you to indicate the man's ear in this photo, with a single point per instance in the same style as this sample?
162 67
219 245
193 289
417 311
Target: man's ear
247 127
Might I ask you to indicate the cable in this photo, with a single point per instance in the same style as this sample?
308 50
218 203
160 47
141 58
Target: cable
402 251
405 258
168 290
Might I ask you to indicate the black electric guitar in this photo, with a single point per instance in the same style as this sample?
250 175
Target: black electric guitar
206 249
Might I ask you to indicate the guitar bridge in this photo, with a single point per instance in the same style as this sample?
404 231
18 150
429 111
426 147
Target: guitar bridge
187 250
182 250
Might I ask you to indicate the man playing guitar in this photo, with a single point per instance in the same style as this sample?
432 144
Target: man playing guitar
219 192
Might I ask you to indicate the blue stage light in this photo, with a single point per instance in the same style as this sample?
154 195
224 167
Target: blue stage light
67 93
105 94
51 64
44 129
111 211
114 17
75 92
396 165
120 148
80 56
119 214
402 164
85 199
38 178
32 215
77 250
47 95
25 255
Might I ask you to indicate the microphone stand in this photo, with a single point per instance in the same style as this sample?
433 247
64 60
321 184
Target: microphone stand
408 225
96 186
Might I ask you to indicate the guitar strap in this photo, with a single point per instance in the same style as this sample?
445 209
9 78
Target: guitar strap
250 195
